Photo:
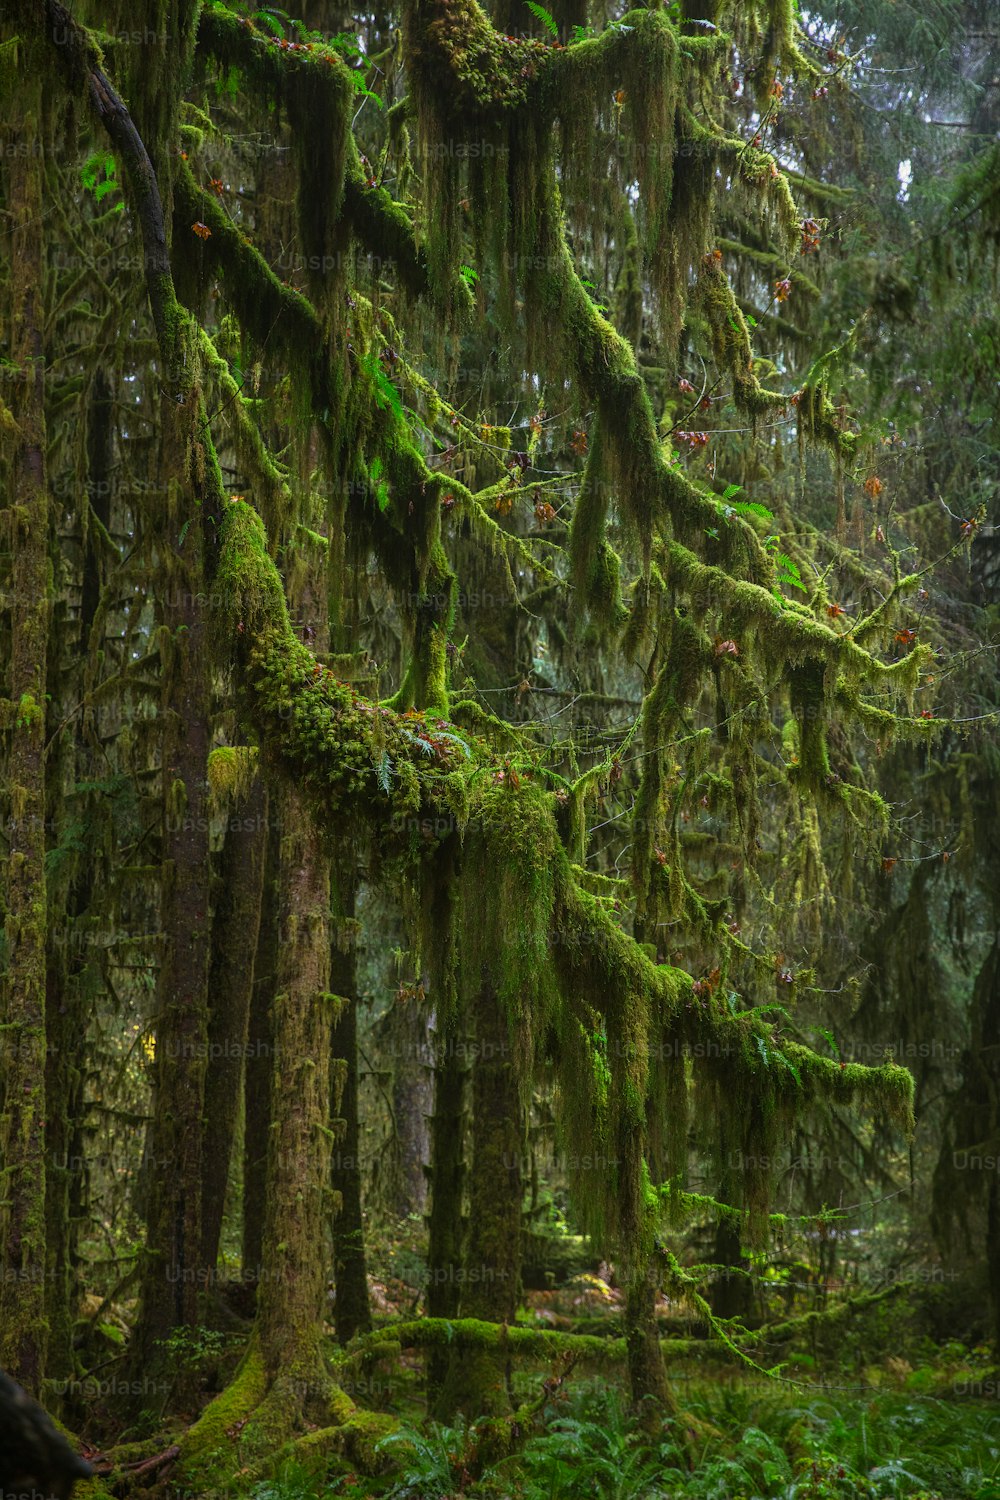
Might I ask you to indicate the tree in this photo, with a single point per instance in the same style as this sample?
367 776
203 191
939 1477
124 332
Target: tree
642 997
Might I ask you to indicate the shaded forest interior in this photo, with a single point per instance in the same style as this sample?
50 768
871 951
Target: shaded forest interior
499 796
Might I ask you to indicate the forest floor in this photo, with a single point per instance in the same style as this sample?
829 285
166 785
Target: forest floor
875 1401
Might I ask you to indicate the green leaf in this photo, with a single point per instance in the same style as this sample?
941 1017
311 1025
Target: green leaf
269 23
829 1037
788 572
360 87
780 1057
541 14
383 772
753 508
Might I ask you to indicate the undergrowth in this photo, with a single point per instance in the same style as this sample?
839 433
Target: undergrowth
731 1442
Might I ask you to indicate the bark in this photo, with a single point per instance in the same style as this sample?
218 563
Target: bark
66 1011
446 1178
292 1293
23 1325
646 1370
235 924
411 1103
172 1274
353 1314
490 1275
259 1064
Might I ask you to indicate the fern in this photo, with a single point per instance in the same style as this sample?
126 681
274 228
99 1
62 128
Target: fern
385 393
383 772
753 508
270 23
788 572
541 14
360 87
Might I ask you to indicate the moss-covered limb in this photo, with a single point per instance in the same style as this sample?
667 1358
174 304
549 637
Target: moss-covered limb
384 228
472 1333
346 750
679 1202
791 633
299 77
80 61
823 1318
771 261
811 187
887 1091
268 309
731 340
751 165
269 477
404 536
884 722
313 85
879 618
653 495
486 527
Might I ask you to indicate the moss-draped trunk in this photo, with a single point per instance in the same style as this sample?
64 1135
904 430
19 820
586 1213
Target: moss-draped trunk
646 1371
260 1057
353 1314
490 1276
172 1274
291 1296
23 1324
406 1033
446 1178
235 922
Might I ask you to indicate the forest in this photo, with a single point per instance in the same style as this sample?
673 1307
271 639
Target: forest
499 790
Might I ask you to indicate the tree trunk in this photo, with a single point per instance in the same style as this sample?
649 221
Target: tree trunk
68 903
446 1178
411 1103
260 1059
23 1326
172 1275
292 1294
353 1314
490 1276
646 1370
235 923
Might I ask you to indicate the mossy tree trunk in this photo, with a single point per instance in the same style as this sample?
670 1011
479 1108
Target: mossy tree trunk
446 1178
172 1274
409 1049
23 1324
65 1026
260 1059
489 1276
235 924
69 901
353 1314
646 1370
291 1297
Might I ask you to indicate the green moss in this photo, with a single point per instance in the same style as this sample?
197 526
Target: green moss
231 769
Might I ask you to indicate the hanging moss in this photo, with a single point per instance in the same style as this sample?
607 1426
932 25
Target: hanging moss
231 769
